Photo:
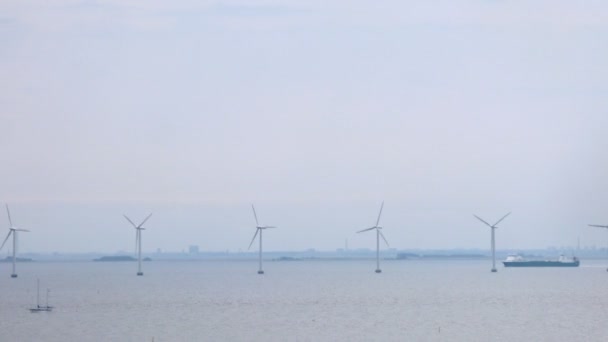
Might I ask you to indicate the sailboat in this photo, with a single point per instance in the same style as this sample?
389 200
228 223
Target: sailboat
39 307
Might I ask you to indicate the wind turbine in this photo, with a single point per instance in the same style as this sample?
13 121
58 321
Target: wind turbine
378 235
258 229
12 230
599 226
493 227
138 230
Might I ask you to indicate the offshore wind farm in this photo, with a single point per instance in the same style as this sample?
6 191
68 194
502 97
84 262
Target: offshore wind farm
297 289
312 254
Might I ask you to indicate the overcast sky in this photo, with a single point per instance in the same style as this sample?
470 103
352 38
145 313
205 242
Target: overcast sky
315 111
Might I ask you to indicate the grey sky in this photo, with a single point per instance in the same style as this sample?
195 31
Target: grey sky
315 111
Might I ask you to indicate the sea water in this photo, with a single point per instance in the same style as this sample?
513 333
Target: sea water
309 300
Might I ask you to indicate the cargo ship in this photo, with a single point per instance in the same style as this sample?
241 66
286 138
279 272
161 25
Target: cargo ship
519 261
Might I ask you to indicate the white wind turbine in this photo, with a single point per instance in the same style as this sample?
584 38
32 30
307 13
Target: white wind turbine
493 227
599 226
12 230
258 229
378 235
138 230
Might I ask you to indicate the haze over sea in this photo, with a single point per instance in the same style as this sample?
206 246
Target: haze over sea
315 112
305 301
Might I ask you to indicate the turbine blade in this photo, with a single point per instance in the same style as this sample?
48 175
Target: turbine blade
22 230
266 227
254 235
383 238
380 213
128 219
502 219
9 216
144 221
255 215
480 219
597 225
7 236
364 230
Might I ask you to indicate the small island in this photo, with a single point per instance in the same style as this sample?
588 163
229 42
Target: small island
10 259
286 258
116 258
120 258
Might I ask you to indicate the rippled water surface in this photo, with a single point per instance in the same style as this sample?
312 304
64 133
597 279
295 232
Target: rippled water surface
305 301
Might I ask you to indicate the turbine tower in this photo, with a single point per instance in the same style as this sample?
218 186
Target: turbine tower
138 230
259 229
492 228
599 226
378 235
12 230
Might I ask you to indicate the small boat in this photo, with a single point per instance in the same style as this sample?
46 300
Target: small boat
519 261
39 307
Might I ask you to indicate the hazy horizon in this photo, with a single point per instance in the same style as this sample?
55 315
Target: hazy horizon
219 228
314 112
